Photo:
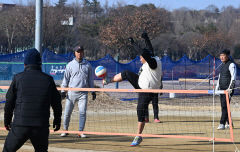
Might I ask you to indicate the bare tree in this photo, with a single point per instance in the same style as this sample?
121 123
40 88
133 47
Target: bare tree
17 25
131 23
56 28
212 43
9 23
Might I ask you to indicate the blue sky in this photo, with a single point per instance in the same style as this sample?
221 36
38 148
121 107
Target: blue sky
168 4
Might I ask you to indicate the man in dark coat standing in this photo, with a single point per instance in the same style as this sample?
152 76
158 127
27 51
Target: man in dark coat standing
29 98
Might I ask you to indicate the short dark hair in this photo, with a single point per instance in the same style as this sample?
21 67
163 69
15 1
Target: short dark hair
146 54
225 51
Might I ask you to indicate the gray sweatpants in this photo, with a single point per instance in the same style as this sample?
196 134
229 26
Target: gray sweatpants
81 99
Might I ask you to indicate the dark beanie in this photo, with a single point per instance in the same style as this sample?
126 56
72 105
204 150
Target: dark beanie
225 51
32 57
147 54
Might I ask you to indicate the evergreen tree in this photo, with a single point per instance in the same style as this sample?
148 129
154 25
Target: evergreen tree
61 3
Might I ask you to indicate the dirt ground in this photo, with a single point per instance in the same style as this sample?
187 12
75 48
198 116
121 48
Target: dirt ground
121 143
190 116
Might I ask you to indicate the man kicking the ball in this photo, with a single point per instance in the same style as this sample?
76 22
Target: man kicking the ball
149 78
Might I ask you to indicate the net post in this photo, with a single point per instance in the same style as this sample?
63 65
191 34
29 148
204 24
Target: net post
229 115
213 103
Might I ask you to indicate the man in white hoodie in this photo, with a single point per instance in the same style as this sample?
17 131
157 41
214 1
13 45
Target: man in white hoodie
78 74
149 78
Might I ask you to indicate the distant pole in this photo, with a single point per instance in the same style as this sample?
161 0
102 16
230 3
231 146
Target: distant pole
38 26
214 70
117 69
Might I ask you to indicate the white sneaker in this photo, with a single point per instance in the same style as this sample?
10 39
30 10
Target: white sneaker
64 134
82 136
227 126
221 127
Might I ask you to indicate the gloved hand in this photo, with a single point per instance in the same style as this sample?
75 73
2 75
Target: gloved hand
229 90
161 86
63 95
216 91
144 35
56 124
93 95
231 87
56 127
8 127
131 40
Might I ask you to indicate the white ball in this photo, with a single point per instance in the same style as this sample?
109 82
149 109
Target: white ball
100 71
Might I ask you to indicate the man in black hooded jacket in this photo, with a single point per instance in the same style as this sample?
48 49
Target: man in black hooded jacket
29 98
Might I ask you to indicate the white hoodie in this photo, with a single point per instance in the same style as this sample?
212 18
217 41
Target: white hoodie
151 78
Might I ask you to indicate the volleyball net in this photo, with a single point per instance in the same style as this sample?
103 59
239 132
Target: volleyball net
114 113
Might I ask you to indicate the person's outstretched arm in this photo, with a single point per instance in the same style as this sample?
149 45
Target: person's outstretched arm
148 42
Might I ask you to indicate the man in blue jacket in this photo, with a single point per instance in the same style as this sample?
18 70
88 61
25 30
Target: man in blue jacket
30 96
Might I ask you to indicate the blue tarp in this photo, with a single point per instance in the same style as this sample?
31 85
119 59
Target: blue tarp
54 65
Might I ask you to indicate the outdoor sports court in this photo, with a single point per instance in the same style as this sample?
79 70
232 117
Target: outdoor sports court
181 117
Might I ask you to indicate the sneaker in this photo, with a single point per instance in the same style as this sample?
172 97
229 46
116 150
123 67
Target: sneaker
157 121
106 80
221 127
146 120
64 134
82 136
137 140
227 126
